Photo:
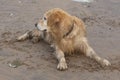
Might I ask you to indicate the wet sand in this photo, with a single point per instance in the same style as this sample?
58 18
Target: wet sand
102 19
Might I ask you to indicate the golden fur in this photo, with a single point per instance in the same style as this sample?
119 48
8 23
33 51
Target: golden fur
68 34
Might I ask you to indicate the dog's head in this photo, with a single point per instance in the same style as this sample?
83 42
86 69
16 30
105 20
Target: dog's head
42 24
54 20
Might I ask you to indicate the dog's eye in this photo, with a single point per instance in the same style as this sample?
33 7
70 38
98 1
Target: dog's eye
44 18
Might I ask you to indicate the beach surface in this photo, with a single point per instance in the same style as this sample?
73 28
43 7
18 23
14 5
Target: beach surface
35 61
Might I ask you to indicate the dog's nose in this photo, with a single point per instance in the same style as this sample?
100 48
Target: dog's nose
36 25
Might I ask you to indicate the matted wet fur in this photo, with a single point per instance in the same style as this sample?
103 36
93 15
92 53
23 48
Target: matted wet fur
67 34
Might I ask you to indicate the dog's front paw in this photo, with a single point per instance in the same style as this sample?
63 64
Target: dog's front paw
35 39
62 66
105 63
23 37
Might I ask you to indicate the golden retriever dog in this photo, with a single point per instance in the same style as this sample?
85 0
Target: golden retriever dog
66 33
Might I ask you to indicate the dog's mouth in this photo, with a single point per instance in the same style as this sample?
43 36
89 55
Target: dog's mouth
45 30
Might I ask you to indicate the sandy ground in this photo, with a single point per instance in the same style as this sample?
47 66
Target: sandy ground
36 61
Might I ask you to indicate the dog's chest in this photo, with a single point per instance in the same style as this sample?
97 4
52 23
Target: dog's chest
67 45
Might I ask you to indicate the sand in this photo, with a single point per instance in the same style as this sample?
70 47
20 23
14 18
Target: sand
36 61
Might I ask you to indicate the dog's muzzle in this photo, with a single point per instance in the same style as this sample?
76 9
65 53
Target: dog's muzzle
36 25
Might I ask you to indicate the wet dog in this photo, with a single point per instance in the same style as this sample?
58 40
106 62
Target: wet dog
66 33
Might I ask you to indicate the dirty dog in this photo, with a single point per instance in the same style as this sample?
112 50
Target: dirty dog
66 33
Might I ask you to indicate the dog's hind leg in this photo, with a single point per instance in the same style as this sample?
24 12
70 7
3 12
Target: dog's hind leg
89 52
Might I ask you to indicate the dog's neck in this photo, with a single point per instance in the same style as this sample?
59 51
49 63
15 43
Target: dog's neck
72 26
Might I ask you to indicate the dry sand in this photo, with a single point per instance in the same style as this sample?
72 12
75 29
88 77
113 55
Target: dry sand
36 61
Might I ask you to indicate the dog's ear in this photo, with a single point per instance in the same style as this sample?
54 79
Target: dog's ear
54 20
57 20
56 17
